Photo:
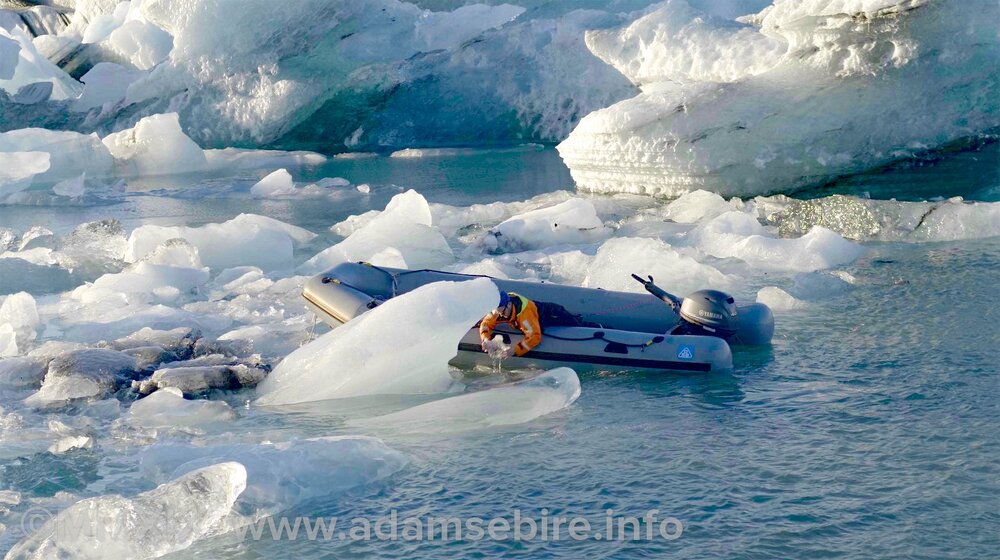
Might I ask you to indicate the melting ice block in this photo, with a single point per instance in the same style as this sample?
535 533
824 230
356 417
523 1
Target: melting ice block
796 95
405 226
166 519
277 183
155 146
504 406
167 408
281 475
618 258
573 221
401 347
89 373
778 299
247 239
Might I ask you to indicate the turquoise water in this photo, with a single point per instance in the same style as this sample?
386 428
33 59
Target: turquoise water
867 430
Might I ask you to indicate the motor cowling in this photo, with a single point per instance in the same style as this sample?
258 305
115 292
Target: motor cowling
712 310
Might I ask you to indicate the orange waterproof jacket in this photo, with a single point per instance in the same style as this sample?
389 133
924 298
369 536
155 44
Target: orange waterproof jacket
524 320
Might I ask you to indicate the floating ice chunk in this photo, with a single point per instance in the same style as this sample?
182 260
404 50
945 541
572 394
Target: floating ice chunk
20 372
280 475
573 221
247 239
19 311
143 278
720 235
405 225
167 408
197 380
91 373
504 406
778 299
277 183
19 315
819 249
73 187
179 341
155 146
18 169
105 83
696 206
618 259
381 352
364 188
166 519
70 443
70 153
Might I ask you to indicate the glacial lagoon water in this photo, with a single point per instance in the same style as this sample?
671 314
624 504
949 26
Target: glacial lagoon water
867 430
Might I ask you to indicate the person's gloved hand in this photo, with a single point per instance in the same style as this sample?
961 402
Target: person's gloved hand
486 345
508 352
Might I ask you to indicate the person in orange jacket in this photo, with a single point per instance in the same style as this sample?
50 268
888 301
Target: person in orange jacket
518 312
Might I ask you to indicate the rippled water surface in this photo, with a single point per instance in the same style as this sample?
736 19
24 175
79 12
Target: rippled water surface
867 430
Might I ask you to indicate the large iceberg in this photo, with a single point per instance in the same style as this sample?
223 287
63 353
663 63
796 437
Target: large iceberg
796 95
164 520
380 352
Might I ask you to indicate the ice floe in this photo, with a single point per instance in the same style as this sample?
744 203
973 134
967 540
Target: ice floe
404 226
517 403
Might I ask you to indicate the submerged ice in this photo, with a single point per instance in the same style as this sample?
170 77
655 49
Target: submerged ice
503 406
164 520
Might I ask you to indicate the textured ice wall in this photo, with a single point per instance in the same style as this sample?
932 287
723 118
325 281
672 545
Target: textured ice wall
795 95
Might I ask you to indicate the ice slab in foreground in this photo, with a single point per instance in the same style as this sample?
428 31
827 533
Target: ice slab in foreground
401 347
167 519
796 95
280 475
504 406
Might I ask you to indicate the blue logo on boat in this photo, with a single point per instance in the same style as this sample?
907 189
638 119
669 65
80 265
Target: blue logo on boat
686 353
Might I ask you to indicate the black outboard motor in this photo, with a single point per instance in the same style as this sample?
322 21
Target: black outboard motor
703 313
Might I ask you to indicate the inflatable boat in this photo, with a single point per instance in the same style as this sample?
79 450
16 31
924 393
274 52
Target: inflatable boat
631 331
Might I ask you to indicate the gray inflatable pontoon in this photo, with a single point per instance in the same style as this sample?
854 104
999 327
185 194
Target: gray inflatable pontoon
631 331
